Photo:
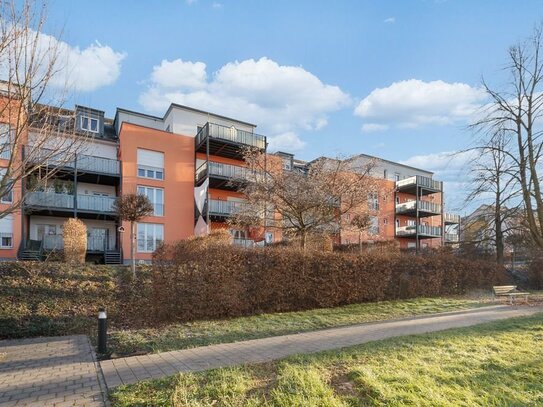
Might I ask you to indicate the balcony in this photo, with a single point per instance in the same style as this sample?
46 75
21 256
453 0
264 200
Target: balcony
223 176
424 208
451 219
94 243
227 141
419 185
88 166
55 202
452 238
243 243
424 231
225 208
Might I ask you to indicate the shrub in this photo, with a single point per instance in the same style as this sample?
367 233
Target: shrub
75 241
536 273
222 281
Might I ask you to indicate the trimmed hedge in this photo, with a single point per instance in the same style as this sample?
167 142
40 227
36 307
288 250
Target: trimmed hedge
215 281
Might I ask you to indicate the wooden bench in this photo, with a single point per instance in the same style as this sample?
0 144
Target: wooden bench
509 291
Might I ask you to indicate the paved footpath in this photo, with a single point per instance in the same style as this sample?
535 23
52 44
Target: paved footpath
133 369
58 371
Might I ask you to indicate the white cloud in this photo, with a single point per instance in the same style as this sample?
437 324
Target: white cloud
216 5
413 103
279 98
390 20
289 142
179 74
374 127
74 68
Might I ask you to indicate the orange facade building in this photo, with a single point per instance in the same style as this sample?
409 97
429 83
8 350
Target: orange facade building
188 162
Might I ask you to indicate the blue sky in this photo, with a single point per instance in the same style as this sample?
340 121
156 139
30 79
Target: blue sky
396 79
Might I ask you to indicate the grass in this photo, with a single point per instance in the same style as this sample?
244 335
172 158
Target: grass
495 364
199 333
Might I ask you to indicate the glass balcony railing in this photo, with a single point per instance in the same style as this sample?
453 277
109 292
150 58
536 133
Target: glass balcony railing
217 131
225 208
423 182
47 199
424 230
224 170
83 162
423 206
94 243
244 242
452 237
452 218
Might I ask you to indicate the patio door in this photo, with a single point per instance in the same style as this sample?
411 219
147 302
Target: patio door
98 239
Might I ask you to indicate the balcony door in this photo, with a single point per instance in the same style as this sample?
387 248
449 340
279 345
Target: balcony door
98 239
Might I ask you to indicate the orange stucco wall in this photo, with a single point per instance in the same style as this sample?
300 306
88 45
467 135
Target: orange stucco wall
178 183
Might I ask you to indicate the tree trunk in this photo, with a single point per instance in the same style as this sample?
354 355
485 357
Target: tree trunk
133 248
360 241
303 240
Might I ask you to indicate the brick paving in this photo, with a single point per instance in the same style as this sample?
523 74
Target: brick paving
57 371
133 369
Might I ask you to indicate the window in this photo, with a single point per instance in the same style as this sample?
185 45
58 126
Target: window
238 234
397 223
374 225
385 174
411 222
6 232
156 196
8 196
396 177
287 164
373 202
5 145
89 124
150 236
385 221
411 245
150 164
397 200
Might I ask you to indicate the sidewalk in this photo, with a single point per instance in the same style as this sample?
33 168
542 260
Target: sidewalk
133 369
57 371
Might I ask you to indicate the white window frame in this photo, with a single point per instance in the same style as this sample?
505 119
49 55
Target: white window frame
152 198
396 176
90 119
6 236
147 228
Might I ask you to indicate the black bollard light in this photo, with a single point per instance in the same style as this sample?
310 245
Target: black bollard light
102 331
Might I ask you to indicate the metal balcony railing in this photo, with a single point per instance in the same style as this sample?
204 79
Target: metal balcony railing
224 170
452 218
66 201
422 206
424 182
94 243
425 230
244 242
83 162
225 208
452 237
232 134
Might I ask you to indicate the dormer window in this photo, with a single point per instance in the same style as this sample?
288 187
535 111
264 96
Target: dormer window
89 124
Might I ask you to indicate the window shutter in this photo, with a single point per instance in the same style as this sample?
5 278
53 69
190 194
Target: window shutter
150 158
6 224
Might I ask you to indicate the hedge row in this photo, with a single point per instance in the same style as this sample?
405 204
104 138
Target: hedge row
192 281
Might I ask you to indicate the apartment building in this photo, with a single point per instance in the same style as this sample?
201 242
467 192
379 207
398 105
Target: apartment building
406 206
189 163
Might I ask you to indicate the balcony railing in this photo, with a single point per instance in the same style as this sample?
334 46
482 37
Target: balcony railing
424 230
244 242
84 163
66 201
423 182
452 218
224 170
232 134
424 206
94 243
225 208
452 237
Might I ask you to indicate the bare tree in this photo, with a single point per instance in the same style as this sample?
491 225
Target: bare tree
133 208
493 179
37 136
299 203
517 110
360 222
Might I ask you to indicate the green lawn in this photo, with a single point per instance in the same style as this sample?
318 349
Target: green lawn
495 364
188 335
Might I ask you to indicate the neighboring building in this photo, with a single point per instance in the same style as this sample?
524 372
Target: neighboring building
188 163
